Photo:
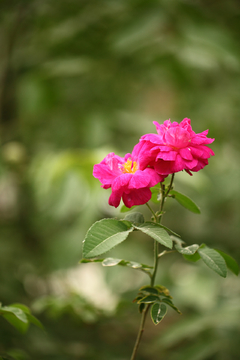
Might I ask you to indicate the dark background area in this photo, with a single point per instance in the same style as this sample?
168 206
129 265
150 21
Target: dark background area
80 79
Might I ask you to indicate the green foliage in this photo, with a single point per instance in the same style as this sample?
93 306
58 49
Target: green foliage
189 250
107 233
103 236
175 235
79 80
135 218
121 262
193 258
156 296
158 311
149 289
156 232
19 316
210 257
170 303
185 201
148 299
131 264
141 307
230 262
216 260
213 260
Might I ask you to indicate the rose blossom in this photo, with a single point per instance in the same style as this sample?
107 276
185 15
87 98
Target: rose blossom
175 147
127 180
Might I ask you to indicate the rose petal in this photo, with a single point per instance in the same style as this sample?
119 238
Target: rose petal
186 153
137 197
121 181
138 180
154 177
153 138
104 174
115 198
168 156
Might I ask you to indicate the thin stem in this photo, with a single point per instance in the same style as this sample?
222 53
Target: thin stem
140 332
155 262
155 218
162 197
155 242
170 185
165 252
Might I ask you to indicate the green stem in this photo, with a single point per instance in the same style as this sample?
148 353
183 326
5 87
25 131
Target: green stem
149 207
140 332
170 186
155 263
162 197
157 219
166 252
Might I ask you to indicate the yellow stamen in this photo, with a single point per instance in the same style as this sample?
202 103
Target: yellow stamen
129 167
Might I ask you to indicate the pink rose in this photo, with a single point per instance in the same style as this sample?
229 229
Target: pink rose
175 147
126 179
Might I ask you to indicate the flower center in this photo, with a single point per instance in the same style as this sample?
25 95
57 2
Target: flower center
129 167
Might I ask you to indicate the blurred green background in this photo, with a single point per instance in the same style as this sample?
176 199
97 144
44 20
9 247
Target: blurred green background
79 79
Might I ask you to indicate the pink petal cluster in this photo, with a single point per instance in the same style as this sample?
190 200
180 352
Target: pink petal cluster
174 148
126 179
